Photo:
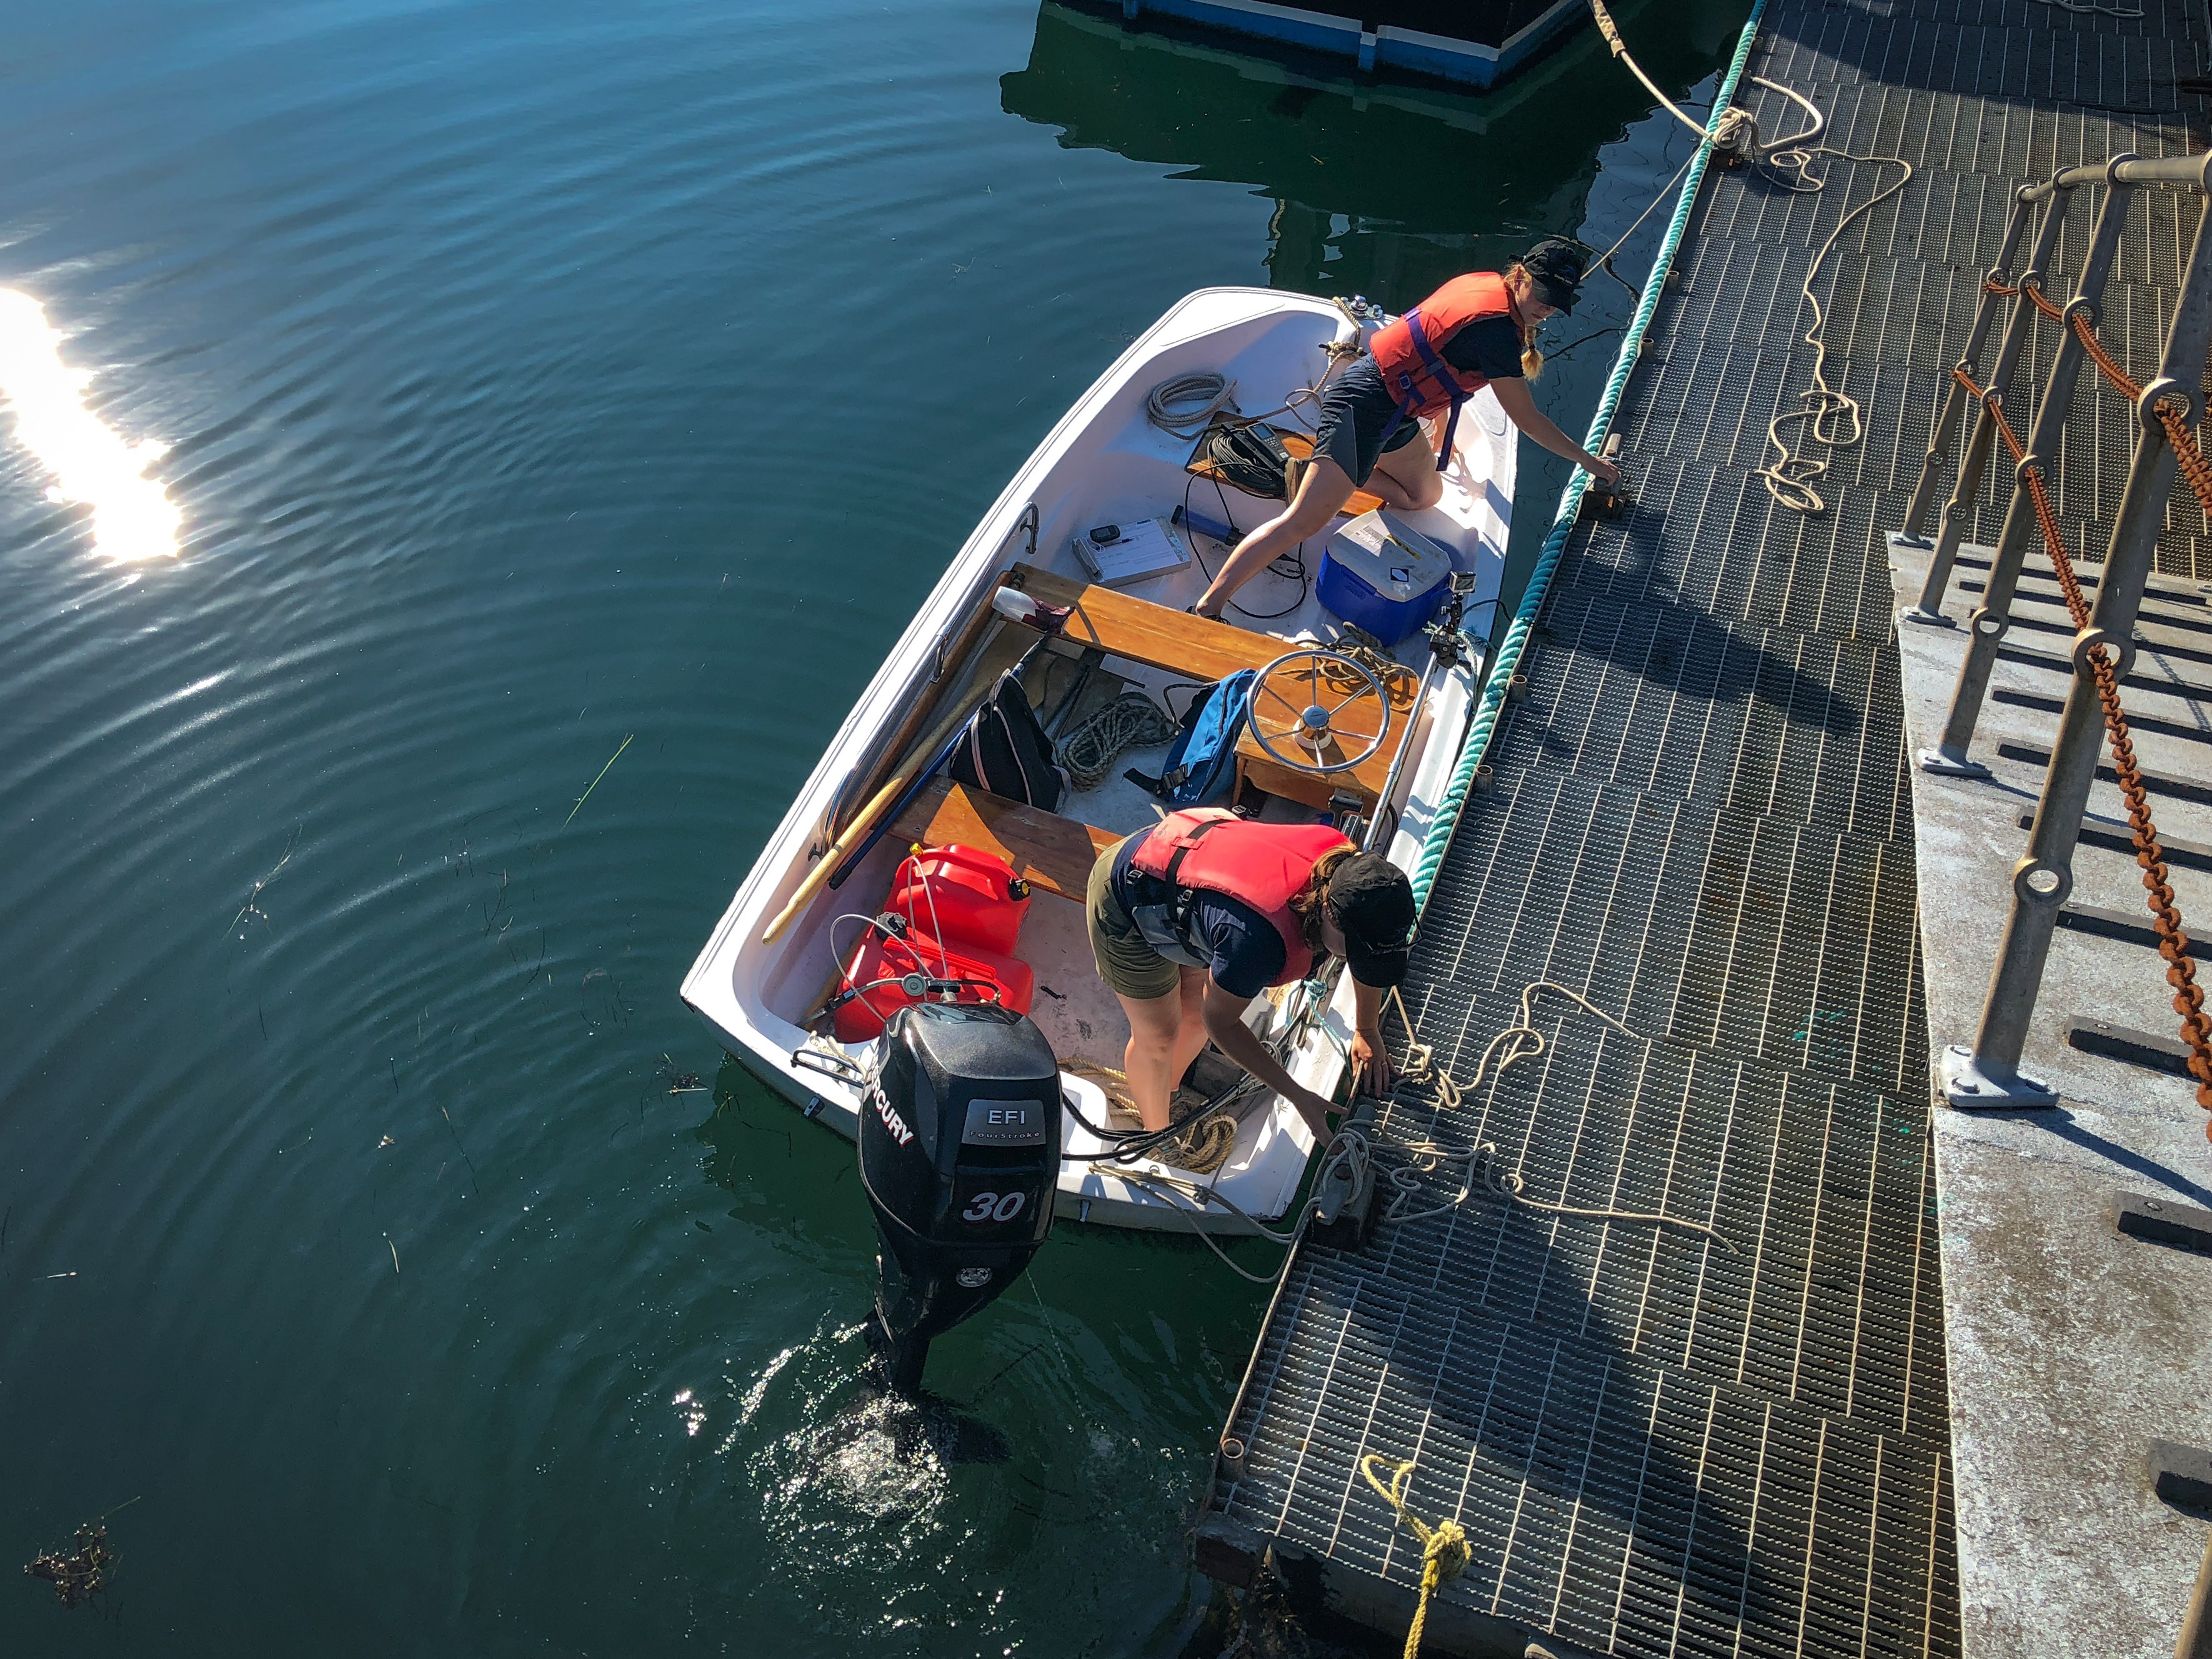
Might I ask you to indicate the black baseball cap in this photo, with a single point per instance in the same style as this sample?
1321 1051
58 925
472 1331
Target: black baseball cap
1370 899
1555 268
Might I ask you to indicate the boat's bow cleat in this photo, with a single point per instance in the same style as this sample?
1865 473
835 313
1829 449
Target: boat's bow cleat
960 1134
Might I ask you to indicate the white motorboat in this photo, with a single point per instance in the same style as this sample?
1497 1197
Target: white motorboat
1106 463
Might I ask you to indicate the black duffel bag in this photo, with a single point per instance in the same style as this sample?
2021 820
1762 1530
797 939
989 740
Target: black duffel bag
1005 750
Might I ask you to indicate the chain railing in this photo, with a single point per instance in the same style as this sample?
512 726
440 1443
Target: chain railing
2167 407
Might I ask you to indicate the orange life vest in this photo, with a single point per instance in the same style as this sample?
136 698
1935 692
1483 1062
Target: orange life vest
1205 850
1409 352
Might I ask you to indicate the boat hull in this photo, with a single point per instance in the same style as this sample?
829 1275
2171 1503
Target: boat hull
1102 463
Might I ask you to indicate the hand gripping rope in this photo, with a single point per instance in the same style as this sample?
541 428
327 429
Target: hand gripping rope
2165 916
1507 657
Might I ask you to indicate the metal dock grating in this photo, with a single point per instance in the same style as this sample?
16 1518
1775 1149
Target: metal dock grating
1667 700
1620 1503
1699 819
1775 939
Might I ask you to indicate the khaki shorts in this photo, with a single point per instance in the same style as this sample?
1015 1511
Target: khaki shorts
1130 966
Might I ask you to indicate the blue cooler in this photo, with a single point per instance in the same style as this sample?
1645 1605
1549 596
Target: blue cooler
1385 577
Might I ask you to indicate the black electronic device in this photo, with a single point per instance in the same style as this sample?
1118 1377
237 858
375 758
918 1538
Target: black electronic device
1105 535
959 1148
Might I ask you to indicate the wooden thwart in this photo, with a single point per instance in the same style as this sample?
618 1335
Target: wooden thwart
1140 631
1053 854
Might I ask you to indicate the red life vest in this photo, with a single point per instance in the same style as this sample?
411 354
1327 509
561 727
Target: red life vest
1409 351
1265 865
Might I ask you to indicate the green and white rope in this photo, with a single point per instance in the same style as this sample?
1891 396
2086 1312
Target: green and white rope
1516 641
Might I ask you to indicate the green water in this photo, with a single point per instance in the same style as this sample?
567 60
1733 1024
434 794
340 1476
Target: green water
538 378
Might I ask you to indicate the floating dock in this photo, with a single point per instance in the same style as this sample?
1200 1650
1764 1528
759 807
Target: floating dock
1904 1402
1476 43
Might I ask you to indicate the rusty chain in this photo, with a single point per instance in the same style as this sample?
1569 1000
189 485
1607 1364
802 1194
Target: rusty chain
2194 466
2165 916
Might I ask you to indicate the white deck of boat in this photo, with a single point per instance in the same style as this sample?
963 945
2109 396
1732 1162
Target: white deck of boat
1105 463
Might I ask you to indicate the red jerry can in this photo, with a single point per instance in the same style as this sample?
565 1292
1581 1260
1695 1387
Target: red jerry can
963 896
884 959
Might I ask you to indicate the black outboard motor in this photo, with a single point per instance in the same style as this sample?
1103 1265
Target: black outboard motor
959 1154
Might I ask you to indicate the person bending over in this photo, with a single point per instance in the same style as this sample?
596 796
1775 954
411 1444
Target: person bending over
1476 330
1192 918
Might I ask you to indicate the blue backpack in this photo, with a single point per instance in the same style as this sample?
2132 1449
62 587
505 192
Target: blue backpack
1199 761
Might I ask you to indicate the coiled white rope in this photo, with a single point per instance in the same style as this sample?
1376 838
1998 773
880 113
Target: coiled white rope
1186 404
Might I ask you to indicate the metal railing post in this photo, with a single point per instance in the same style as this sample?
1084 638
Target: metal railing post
1950 529
1954 395
1988 1074
1989 622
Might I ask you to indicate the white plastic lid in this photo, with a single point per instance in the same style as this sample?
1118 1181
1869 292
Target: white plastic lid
1397 562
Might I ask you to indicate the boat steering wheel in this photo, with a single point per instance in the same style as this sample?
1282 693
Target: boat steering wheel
1316 705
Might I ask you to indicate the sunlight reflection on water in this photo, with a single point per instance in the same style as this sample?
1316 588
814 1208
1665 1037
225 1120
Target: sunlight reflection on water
132 516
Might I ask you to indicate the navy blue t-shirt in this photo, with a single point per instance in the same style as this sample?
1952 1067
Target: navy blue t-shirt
1490 348
1244 952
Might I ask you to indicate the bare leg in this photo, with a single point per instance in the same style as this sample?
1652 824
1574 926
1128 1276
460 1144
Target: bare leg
1323 491
1148 1063
1165 1035
1190 1037
1406 478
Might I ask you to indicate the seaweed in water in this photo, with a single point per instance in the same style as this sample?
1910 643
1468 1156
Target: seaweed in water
80 1574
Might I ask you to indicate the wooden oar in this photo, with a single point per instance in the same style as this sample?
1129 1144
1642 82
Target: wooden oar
926 756
955 656
922 755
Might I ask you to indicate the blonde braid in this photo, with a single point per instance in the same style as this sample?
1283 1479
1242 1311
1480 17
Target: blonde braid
1532 359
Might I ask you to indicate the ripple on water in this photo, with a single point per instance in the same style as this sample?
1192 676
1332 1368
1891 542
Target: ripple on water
859 1479
533 375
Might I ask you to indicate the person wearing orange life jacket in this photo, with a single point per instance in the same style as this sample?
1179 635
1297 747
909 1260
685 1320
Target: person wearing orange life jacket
1476 330
1192 918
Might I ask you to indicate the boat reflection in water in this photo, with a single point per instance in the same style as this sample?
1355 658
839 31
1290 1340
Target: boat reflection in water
132 517
1382 186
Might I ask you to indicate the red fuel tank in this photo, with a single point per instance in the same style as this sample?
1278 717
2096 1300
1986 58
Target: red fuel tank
963 896
879 962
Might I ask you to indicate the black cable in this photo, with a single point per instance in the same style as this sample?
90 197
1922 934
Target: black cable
1127 1146
1204 686
1594 334
1296 561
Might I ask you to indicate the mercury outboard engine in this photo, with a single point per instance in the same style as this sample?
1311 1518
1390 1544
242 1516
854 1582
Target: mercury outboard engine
959 1153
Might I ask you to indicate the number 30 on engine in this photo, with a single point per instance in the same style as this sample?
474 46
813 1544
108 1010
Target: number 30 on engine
988 1207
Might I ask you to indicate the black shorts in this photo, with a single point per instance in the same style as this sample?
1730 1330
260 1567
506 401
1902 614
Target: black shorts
1354 411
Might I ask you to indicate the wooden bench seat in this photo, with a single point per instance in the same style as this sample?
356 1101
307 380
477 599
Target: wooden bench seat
1137 630
1053 854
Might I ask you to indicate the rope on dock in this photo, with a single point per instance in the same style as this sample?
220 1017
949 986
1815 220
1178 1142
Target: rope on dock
1833 417
1444 1553
1511 648
1483 1161
2165 914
